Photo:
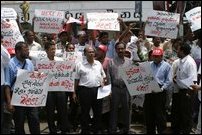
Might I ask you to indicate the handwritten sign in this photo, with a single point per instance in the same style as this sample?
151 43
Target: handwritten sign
48 21
62 74
194 17
162 24
30 89
103 21
139 79
74 57
8 13
40 55
11 33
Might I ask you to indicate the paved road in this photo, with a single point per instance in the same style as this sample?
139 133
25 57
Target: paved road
135 129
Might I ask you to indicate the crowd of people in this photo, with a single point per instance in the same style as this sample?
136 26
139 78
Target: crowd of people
171 60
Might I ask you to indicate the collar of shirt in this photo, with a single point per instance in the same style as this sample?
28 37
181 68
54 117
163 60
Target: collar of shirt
85 62
184 59
119 60
17 61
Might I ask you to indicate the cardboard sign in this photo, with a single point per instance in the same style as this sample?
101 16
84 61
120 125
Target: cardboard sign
30 89
62 73
11 33
48 21
162 24
139 79
194 17
103 21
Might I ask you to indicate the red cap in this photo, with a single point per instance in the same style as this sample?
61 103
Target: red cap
11 51
103 48
157 52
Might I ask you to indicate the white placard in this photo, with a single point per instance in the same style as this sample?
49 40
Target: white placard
48 21
162 24
30 89
11 33
194 17
62 73
8 13
139 79
103 21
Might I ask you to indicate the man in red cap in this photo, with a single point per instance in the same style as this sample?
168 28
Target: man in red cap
101 56
101 51
154 104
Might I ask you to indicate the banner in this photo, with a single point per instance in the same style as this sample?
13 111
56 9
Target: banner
162 24
62 73
30 89
48 21
103 21
139 79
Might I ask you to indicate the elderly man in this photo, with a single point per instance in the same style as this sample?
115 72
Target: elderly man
89 77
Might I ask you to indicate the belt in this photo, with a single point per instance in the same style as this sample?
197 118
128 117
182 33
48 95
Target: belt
119 85
89 87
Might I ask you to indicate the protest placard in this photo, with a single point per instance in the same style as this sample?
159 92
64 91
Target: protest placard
162 24
8 13
74 57
30 89
11 33
194 17
40 55
48 21
103 21
139 79
62 73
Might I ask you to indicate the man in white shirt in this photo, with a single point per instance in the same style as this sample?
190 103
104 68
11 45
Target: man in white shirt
5 58
56 100
186 72
88 78
198 88
29 38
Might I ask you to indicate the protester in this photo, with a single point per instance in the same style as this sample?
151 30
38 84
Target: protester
29 38
64 40
181 111
89 77
198 88
56 100
21 61
154 104
5 58
119 94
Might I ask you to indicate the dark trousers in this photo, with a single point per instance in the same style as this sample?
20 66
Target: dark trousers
88 99
120 96
32 116
2 104
57 101
181 112
6 117
155 112
74 112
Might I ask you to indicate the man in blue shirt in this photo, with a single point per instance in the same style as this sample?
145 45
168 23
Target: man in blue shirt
20 61
154 104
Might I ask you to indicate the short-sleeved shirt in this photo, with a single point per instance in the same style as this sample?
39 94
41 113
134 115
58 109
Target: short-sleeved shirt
186 69
114 69
14 65
89 75
35 46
